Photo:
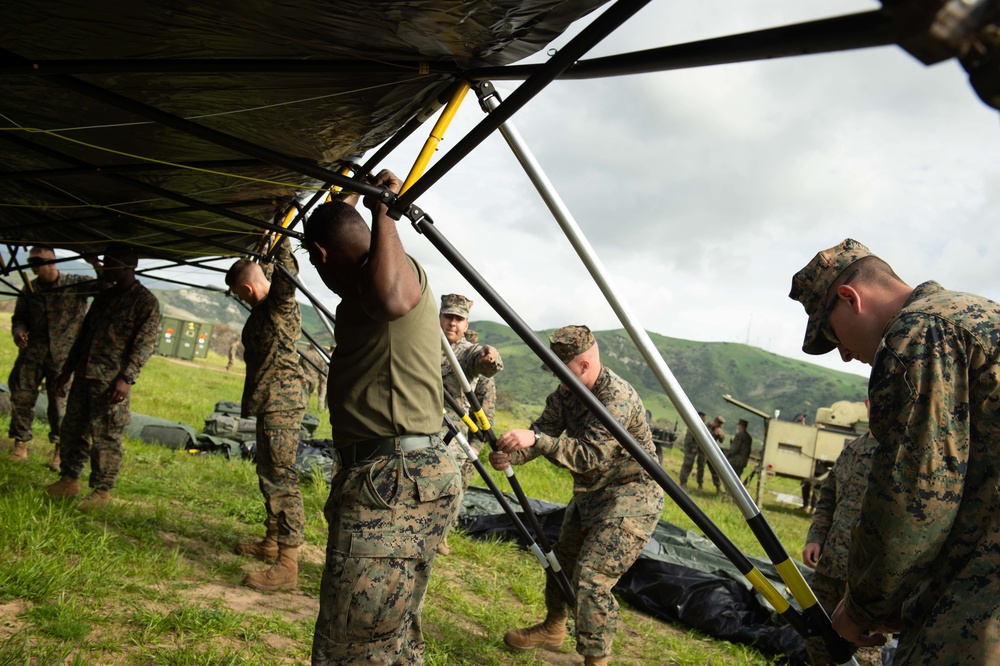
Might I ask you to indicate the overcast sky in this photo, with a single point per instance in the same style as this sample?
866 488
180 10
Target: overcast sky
704 190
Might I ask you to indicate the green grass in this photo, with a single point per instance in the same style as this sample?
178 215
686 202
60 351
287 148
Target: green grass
153 580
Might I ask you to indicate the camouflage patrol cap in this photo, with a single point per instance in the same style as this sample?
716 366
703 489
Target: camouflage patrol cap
810 285
720 419
569 342
742 422
456 304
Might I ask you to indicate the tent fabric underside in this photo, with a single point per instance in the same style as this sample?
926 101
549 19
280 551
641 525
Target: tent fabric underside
318 117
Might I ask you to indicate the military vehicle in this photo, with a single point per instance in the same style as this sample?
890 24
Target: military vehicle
805 452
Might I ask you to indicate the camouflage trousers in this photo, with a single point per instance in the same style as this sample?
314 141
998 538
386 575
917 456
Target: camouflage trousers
278 435
596 553
700 475
690 453
829 592
25 379
386 519
92 429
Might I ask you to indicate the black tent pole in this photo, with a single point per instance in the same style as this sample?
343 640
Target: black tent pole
806 627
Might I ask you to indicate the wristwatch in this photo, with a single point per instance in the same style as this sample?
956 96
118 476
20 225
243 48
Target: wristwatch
538 435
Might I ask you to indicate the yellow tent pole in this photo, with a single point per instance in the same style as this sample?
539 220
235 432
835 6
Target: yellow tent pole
436 135
289 216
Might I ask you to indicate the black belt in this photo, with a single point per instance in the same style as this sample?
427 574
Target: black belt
355 454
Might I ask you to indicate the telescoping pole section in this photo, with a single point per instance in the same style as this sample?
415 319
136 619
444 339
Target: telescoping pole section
805 625
817 619
491 484
522 498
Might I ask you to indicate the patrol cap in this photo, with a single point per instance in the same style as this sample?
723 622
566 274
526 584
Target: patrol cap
720 419
810 285
456 304
742 422
569 342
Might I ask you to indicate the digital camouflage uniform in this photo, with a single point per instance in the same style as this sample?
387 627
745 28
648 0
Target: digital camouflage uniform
615 504
233 348
116 339
273 393
693 452
387 516
52 314
476 371
837 511
314 379
929 535
739 451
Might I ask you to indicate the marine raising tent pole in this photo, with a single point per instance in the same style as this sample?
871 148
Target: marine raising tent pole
805 625
816 616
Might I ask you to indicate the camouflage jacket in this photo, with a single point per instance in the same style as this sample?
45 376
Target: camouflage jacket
839 505
928 540
274 380
118 335
474 368
607 481
739 449
52 314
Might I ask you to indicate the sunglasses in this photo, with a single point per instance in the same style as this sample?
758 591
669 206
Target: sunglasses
824 325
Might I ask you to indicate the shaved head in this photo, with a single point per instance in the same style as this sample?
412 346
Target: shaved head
242 272
336 223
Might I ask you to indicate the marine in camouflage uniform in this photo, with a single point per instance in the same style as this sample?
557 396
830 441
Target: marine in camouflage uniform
397 492
690 453
478 363
739 448
715 427
116 339
829 537
925 554
273 393
46 321
314 379
615 504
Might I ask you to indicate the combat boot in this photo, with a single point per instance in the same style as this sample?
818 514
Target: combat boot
284 575
20 450
595 661
548 635
55 463
443 547
66 486
265 550
96 500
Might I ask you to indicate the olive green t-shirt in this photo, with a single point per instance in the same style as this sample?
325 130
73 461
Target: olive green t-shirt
385 377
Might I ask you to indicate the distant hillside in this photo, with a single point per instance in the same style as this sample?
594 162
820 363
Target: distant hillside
704 370
215 308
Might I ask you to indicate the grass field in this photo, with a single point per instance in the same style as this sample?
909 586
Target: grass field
153 580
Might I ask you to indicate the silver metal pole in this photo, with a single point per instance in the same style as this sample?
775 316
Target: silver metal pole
625 315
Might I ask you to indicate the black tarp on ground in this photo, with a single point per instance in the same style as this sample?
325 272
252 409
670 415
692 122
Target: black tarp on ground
680 577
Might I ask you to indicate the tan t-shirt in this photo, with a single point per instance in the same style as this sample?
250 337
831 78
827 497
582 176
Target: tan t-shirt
385 377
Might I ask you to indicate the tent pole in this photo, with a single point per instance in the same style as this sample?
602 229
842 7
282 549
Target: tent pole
812 622
755 519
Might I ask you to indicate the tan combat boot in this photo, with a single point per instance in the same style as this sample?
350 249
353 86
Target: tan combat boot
55 462
20 450
66 486
284 575
443 547
547 635
595 661
96 500
265 550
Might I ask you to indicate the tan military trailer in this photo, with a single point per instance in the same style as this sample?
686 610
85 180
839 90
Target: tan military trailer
805 452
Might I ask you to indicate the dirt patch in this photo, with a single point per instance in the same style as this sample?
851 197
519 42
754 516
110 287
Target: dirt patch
291 606
9 622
